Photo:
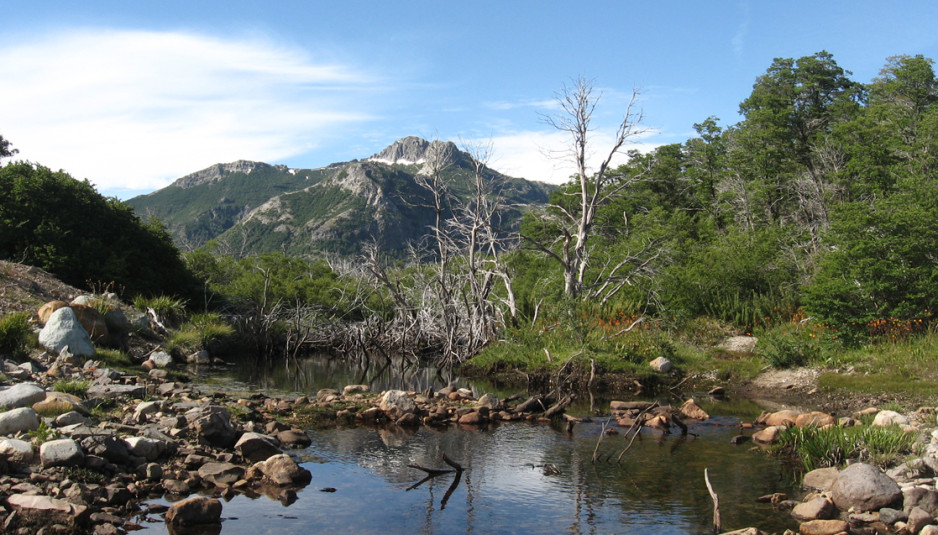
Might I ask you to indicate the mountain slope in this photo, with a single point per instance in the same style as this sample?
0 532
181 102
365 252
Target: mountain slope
251 207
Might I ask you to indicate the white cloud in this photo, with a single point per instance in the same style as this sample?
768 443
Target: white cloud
134 109
544 155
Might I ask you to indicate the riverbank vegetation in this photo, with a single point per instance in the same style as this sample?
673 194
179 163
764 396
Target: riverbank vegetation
808 224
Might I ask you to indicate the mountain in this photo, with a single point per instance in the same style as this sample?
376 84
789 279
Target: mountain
253 207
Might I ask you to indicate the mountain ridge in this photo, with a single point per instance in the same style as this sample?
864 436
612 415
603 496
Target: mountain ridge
249 207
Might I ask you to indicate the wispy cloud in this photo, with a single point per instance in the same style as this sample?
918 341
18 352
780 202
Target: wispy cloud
543 155
504 105
133 109
739 39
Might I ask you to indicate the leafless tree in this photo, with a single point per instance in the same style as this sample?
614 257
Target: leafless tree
578 102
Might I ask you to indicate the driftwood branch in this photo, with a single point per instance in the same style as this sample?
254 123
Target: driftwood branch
717 523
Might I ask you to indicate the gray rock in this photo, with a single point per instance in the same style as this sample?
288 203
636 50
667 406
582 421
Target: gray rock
148 448
256 447
865 488
71 418
739 344
18 420
325 393
62 452
921 497
489 401
212 425
888 418
396 403
281 470
21 395
294 438
161 359
355 389
116 390
200 358
64 331
221 474
17 451
194 511
661 365
890 516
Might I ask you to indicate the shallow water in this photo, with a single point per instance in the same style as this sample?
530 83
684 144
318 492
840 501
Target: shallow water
657 488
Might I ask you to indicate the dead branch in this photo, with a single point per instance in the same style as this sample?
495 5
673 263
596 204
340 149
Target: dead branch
717 523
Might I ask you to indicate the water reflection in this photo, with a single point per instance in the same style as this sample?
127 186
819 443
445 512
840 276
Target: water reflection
308 375
657 488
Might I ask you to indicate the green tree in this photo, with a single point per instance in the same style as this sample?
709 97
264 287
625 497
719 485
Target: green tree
5 149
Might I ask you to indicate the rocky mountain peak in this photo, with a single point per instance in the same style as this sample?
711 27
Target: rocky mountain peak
414 150
216 172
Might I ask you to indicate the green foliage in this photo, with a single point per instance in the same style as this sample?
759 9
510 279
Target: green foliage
50 220
799 342
114 358
43 433
14 334
76 388
202 331
834 446
170 310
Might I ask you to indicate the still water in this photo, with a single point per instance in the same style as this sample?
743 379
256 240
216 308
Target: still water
522 478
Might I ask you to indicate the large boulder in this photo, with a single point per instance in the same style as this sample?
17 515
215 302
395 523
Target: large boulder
18 420
785 417
63 330
194 511
661 365
815 419
147 448
889 418
865 488
396 403
161 359
46 310
21 395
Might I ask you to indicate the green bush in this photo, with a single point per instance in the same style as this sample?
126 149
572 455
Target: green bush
202 331
834 446
170 310
75 388
14 334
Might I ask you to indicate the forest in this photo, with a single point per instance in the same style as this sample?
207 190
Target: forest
810 224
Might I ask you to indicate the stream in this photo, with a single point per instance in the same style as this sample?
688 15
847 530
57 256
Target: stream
518 478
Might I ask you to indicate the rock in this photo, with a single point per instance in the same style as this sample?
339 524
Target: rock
150 449
396 403
661 365
194 511
472 418
326 393
221 474
294 438
282 470
46 310
921 497
63 330
17 451
47 510
864 487
616 406
111 390
891 516
821 479
817 509
823 527
746 531
93 322
355 389
769 435
161 359
888 418
929 530
785 417
739 344
918 519
256 447
200 358
62 452
212 424
489 401
815 419
19 420
107 447
21 395
691 410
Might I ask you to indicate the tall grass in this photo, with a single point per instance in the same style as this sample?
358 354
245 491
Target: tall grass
818 448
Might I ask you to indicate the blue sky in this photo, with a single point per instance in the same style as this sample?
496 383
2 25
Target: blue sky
132 95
